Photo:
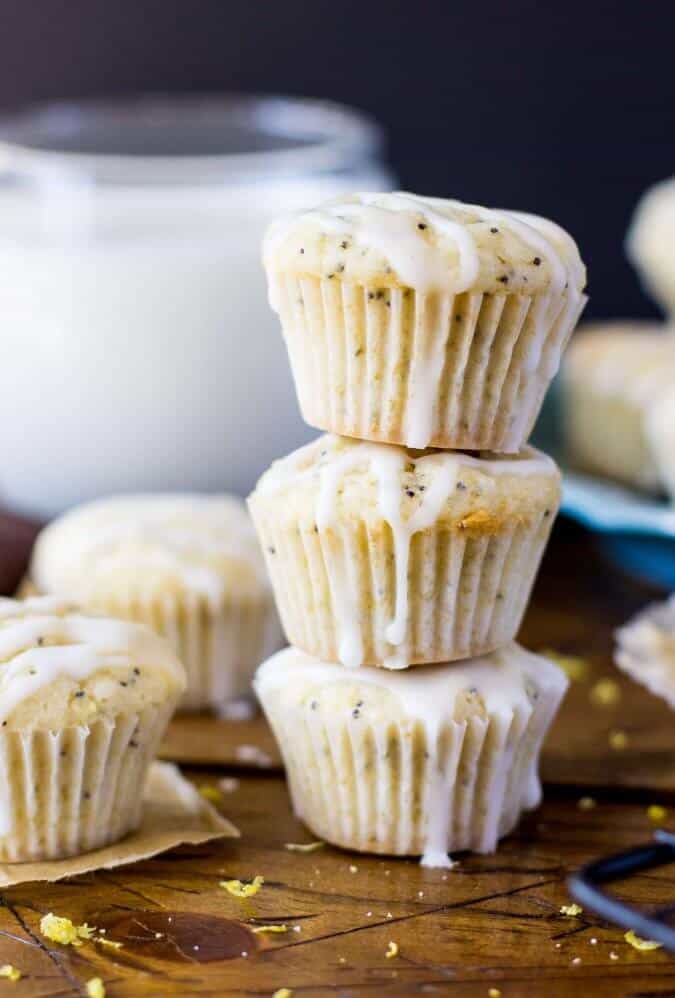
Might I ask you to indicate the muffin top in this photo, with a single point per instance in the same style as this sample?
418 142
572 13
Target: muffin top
497 685
61 667
650 243
158 545
428 244
628 359
336 477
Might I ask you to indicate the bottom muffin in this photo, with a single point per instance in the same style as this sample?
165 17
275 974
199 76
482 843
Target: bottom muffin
84 701
423 762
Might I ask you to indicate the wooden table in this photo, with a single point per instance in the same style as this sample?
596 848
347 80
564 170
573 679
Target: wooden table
492 922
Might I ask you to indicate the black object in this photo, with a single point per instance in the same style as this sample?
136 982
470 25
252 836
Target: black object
587 887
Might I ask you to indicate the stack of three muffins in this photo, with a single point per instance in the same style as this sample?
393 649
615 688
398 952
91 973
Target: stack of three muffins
413 326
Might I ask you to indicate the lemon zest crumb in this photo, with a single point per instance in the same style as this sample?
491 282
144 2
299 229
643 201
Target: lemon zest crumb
618 740
283 993
110 943
212 794
494 993
571 910
392 950
63 930
657 814
641 944
304 846
238 889
95 988
586 803
271 928
605 693
10 972
574 667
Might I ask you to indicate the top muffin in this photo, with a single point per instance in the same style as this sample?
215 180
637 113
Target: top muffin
421 321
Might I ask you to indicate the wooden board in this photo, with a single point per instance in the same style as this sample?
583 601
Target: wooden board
492 922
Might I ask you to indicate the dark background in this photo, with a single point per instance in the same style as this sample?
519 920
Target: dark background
560 108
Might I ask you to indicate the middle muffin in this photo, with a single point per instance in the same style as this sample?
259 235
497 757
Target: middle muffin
381 555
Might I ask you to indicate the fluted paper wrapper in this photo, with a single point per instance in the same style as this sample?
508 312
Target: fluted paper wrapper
220 648
172 813
466 593
465 371
70 791
407 788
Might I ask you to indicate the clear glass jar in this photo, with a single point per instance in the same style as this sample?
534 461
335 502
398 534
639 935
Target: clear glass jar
139 351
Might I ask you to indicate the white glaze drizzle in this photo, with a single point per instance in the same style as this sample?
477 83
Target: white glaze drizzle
386 463
390 224
428 695
43 639
177 533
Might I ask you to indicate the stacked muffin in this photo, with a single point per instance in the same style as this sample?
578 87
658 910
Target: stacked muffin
423 335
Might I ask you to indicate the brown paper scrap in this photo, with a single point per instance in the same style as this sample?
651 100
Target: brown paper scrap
174 812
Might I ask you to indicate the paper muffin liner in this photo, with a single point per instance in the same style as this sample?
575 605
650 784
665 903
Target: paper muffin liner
645 649
220 648
466 592
408 787
465 371
71 791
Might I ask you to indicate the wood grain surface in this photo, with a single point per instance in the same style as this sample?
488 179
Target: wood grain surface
492 922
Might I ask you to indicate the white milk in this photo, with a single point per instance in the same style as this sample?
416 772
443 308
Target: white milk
138 348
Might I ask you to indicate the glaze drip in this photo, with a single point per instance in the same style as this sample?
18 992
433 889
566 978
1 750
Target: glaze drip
333 462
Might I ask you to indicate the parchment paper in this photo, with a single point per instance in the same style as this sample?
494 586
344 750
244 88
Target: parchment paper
173 813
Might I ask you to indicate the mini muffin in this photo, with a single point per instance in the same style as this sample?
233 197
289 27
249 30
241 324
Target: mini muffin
612 376
84 701
423 322
385 556
419 763
651 242
645 649
189 566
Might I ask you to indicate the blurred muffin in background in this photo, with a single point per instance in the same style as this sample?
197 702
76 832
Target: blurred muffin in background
189 566
615 377
650 243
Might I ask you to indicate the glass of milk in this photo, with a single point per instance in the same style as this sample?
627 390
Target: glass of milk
138 348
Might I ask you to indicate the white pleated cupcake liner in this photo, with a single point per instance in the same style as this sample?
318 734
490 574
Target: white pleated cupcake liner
406 788
467 593
466 371
219 647
71 791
